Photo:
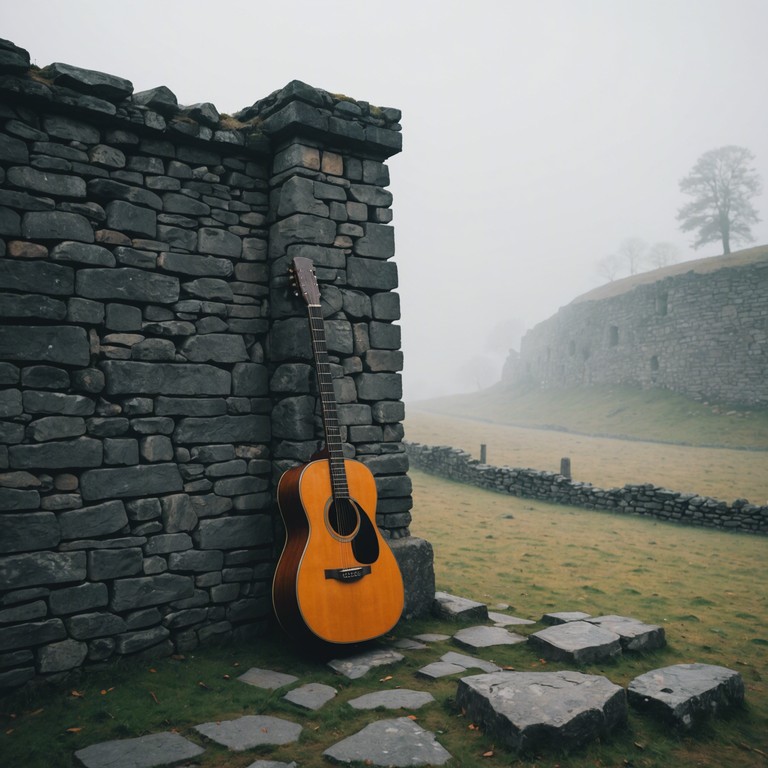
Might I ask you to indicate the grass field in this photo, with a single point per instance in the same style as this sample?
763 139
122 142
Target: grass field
706 588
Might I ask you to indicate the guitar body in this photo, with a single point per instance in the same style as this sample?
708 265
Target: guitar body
337 580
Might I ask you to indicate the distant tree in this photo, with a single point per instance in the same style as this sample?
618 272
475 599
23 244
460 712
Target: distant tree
608 267
631 253
663 254
722 185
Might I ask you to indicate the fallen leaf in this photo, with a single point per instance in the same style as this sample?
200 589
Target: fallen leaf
227 677
489 753
9 732
203 685
472 727
152 670
384 679
412 717
74 730
78 694
36 712
154 698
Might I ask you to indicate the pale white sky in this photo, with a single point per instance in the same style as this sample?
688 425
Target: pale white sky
537 135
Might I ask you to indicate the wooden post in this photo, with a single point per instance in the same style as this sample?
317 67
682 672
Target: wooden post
482 453
565 467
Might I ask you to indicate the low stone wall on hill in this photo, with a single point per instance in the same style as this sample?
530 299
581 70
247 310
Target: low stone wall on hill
156 373
643 499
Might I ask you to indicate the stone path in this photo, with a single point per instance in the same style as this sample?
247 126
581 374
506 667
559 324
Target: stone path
513 708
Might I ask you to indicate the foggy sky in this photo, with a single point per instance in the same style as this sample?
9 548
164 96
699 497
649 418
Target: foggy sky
537 136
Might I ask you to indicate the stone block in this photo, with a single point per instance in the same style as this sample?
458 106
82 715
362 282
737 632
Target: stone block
576 642
46 183
86 626
83 597
416 561
133 642
17 499
124 377
127 284
157 448
29 531
223 429
215 347
82 452
36 277
62 656
234 532
379 386
121 451
31 634
106 564
142 752
32 305
56 225
145 591
141 480
371 274
293 418
457 608
163 543
198 561
685 695
55 428
530 711
90 522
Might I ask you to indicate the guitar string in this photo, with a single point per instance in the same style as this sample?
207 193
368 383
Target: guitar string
342 504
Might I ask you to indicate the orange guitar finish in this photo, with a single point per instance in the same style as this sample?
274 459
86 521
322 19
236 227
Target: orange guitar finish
308 603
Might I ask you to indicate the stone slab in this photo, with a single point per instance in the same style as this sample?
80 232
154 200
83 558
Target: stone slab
250 731
438 669
486 637
449 606
686 694
432 637
469 662
408 644
634 634
396 698
311 696
576 642
360 664
562 617
532 710
266 678
505 620
397 743
142 752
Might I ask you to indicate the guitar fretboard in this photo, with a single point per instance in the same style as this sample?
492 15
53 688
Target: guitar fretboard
328 404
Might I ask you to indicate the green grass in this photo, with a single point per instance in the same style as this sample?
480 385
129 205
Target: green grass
640 414
704 587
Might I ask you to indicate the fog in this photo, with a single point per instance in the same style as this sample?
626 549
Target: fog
537 136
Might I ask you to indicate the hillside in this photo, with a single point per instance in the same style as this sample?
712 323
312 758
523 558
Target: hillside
655 415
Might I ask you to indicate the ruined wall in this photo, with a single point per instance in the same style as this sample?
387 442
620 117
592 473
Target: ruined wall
644 499
155 374
703 334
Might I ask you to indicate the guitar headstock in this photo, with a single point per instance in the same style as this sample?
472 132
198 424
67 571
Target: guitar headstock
304 281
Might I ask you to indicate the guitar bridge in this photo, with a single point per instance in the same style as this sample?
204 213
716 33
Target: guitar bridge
348 574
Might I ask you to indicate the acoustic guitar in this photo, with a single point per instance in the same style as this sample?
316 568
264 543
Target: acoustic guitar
337 580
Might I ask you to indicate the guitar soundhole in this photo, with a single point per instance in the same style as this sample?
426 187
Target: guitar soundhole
343 518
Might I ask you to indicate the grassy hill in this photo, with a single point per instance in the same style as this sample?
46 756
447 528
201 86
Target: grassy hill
655 415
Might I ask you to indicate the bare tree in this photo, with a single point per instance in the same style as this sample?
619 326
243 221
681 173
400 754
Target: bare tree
722 185
663 254
608 267
631 253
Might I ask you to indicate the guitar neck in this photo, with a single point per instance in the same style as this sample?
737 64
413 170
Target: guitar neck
333 440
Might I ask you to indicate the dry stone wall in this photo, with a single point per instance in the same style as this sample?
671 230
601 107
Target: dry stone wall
703 334
155 372
643 499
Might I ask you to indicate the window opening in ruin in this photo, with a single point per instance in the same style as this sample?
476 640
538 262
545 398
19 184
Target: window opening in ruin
613 335
654 363
662 304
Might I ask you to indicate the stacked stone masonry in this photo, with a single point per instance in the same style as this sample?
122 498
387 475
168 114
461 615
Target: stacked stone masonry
155 370
700 332
646 500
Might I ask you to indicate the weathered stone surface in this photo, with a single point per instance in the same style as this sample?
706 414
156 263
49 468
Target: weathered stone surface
360 664
576 641
684 695
416 561
469 662
377 243
528 711
459 608
234 532
82 452
114 563
139 480
399 742
223 429
371 274
505 620
28 531
250 731
56 428
83 597
267 678
130 594
53 344
215 347
59 657
55 184
56 225
311 696
32 305
123 377
83 253
86 626
89 81
142 752
396 698
31 634
485 637
562 617
140 640
127 284
634 635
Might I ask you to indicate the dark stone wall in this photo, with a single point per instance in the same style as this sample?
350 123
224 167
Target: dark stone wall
703 334
632 499
155 370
